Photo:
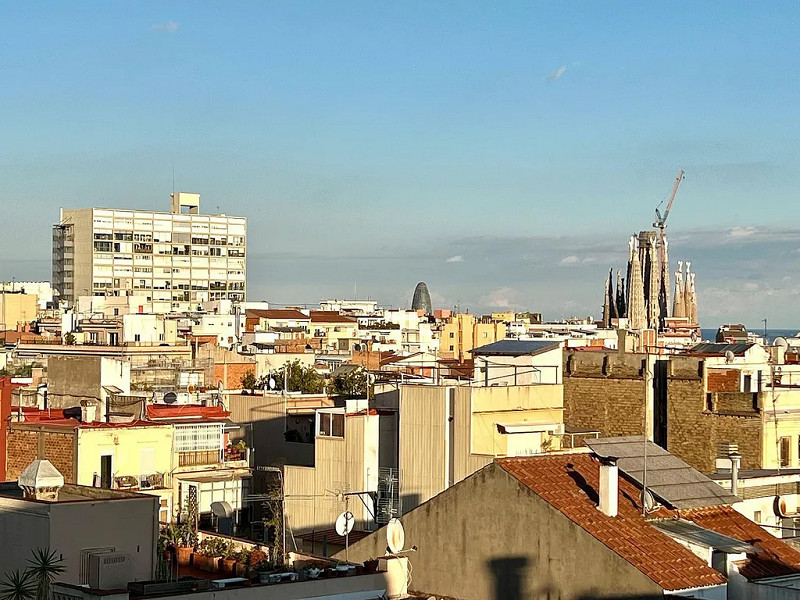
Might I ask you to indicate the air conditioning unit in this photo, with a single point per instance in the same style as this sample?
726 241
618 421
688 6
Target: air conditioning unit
109 571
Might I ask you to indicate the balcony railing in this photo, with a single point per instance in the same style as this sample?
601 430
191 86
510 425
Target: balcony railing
199 458
211 457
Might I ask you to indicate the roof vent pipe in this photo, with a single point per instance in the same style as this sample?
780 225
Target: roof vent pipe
609 486
736 459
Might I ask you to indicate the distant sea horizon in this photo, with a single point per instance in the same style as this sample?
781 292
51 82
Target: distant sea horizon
711 334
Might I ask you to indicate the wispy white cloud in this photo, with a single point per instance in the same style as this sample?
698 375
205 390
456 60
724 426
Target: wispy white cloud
737 232
168 26
570 260
500 298
455 259
557 74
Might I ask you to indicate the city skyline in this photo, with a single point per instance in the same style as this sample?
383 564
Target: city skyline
503 156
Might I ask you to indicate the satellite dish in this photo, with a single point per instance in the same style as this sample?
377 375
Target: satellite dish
648 501
780 507
395 536
371 378
170 398
781 342
344 523
222 509
272 383
729 356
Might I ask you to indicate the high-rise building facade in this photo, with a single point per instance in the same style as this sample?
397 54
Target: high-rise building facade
175 259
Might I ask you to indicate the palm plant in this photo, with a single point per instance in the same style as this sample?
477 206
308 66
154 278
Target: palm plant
17 585
44 567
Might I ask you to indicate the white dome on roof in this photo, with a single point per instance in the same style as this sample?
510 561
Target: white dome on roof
41 480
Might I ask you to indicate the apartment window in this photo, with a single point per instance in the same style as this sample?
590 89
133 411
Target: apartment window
709 402
452 347
748 383
452 335
137 337
330 424
757 516
485 335
784 451
192 438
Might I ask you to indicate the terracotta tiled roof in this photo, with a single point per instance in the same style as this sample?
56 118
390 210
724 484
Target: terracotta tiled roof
186 412
569 482
775 557
276 313
330 316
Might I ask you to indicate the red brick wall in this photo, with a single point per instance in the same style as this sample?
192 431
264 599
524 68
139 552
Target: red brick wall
59 449
230 374
720 380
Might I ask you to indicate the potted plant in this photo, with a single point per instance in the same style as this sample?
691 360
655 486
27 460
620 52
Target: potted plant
212 550
242 562
229 558
184 537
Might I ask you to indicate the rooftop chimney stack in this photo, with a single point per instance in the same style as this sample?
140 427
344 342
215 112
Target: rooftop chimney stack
88 411
609 486
736 460
41 481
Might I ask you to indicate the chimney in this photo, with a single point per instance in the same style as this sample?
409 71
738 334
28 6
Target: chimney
609 486
88 412
736 459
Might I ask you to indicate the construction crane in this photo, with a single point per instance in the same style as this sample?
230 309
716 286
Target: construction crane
661 224
661 221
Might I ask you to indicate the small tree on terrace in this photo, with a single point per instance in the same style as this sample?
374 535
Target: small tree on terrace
300 379
249 381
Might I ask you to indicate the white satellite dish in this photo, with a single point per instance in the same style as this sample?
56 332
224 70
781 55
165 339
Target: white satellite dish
729 356
371 378
648 501
781 342
395 536
222 509
272 383
344 523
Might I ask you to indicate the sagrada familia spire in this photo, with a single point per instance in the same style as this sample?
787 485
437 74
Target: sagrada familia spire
645 302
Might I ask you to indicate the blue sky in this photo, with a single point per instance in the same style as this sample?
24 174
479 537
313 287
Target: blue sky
502 152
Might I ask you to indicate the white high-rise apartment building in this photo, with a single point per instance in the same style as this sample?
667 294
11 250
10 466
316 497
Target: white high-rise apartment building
175 259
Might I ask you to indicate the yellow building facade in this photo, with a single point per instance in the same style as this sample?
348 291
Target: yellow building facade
463 332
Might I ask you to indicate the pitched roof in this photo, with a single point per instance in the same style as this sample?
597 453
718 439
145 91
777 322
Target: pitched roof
515 348
719 349
668 477
186 412
774 557
277 313
569 482
330 316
